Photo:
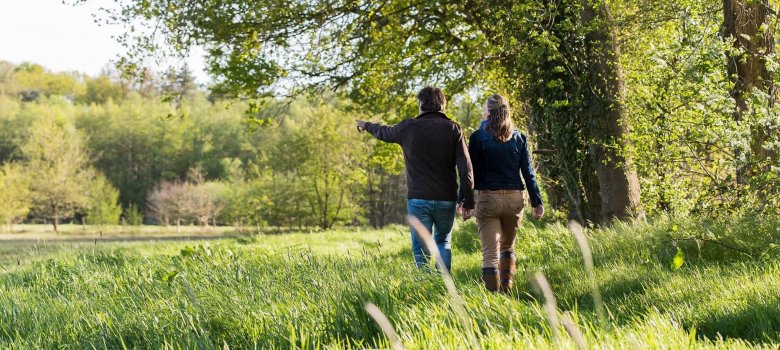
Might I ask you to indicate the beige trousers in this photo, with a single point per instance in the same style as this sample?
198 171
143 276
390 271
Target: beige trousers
498 216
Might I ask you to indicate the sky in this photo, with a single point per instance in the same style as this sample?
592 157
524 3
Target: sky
64 37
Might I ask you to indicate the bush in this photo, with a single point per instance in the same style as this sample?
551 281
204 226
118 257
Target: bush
133 216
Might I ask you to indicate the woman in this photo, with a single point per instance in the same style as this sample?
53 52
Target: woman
499 154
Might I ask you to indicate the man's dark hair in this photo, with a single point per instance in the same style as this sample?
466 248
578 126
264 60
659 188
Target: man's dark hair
431 99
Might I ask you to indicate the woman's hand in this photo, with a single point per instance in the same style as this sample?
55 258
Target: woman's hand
538 211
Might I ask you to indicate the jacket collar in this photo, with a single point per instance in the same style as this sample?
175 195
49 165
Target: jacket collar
424 115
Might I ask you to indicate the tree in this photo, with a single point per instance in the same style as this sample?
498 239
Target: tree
608 125
6 78
248 203
679 106
201 200
14 194
195 200
318 152
166 202
179 83
746 24
14 121
101 89
33 81
133 216
57 164
136 146
385 185
103 204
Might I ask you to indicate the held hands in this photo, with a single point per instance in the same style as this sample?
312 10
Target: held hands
465 213
538 211
361 125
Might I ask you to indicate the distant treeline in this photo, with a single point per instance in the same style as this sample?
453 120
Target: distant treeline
98 150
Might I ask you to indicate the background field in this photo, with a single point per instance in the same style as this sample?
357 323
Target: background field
308 290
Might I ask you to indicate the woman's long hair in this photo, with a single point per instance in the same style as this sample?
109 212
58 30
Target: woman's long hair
499 118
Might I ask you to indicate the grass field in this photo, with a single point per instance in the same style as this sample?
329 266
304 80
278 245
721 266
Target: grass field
308 290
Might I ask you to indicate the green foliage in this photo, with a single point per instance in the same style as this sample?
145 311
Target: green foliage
14 193
687 142
33 81
57 164
15 119
684 141
133 216
248 203
317 159
307 170
137 147
103 207
678 260
101 90
680 111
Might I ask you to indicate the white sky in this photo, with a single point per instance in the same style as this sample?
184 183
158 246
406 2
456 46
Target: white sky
63 37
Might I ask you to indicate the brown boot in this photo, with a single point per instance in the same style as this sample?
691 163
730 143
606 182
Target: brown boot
490 278
506 268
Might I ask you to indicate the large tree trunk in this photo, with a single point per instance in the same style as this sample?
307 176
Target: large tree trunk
742 25
593 205
604 94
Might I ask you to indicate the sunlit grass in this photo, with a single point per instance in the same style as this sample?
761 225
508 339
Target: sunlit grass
309 290
69 230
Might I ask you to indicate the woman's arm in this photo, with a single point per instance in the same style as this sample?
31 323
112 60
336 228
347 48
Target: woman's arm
529 174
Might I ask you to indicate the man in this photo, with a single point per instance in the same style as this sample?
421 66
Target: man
433 146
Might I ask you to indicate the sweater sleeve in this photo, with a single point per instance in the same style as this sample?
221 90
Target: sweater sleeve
391 134
465 170
529 175
474 156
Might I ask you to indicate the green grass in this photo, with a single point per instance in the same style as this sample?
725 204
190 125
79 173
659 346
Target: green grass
308 291
75 230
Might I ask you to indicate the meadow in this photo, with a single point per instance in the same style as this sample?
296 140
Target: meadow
308 290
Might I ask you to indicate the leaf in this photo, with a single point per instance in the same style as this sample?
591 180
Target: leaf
678 260
187 251
674 228
170 276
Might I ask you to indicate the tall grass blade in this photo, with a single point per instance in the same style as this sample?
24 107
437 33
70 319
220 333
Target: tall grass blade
587 257
542 286
574 332
385 325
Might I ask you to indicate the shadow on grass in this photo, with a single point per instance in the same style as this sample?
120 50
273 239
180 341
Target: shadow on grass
758 322
613 291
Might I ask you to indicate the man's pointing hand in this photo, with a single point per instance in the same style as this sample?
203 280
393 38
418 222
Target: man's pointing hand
361 125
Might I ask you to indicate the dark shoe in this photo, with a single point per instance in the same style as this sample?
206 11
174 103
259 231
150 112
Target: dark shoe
490 278
506 267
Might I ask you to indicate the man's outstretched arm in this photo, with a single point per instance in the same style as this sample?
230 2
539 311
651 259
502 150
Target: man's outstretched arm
385 133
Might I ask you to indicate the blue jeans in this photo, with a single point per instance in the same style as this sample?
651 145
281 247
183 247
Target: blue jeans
438 217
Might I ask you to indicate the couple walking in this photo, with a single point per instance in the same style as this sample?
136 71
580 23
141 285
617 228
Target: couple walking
496 163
